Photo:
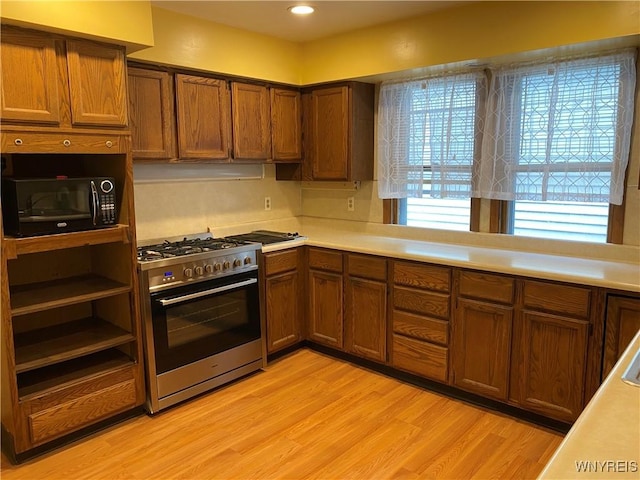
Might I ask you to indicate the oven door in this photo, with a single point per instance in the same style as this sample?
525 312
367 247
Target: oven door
196 321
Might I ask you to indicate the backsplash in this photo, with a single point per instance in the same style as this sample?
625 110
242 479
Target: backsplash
167 208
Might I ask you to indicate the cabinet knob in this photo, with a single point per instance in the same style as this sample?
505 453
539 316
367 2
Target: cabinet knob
66 143
18 141
109 143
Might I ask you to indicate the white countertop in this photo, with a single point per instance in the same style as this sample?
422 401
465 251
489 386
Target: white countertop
600 273
607 433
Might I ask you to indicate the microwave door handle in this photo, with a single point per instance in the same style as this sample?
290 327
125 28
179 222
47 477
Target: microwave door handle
95 202
205 293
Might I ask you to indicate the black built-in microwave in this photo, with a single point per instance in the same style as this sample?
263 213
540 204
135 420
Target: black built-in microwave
40 206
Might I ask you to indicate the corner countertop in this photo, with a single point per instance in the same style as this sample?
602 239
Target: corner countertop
607 433
618 275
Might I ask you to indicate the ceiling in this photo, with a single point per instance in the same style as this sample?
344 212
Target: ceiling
330 18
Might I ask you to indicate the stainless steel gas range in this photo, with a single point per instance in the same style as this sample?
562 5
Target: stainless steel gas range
201 315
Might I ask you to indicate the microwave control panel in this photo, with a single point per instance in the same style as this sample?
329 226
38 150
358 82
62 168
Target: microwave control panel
107 202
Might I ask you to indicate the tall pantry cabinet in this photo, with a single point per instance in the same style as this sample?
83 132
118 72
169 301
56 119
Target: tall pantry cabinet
71 340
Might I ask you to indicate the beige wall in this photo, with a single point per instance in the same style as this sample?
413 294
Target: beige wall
171 208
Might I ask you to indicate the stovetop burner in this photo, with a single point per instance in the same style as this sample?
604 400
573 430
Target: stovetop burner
186 246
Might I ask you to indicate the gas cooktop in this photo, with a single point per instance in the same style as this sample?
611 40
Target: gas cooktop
186 246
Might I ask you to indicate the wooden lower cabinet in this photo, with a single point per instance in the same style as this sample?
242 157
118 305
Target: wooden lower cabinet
326 298
551 348
420 319
53 415
366 307
482 348
553 365
622 322
419 357
283 285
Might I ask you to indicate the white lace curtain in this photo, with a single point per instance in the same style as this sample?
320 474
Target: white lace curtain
426 132
556 131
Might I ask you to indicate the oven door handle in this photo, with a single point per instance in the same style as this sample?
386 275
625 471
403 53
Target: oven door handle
205 293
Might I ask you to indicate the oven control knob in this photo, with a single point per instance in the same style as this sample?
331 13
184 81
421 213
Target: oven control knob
226 265
208 268
199 271
247 260
237 262
188 272
217 267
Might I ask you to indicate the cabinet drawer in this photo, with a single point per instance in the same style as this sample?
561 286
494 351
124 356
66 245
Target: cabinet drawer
366 266
66 411
426 277
562 299
421 328
418 301
421 358
486 286
325 260
30 142
278 262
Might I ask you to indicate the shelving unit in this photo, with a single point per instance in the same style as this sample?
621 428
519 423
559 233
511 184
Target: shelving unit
51 345
71 356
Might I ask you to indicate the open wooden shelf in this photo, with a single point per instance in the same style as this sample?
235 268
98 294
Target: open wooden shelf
43 380
56 344
14 246
37 297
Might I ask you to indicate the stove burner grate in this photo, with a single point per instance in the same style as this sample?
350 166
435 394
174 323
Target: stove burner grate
185 247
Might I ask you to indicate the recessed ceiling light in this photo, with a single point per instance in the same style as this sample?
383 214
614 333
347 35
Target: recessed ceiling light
301 9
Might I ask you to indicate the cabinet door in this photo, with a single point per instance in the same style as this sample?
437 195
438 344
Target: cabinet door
622 323
330 134
325 308
283 310
97 84
203 116
552 375
251 122
29 78
481 348
151 111
366 318
286 125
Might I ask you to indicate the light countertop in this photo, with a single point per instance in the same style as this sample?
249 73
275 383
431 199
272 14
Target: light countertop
607 433
600 273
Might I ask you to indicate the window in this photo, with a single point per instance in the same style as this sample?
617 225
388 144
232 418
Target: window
560 220
429 141
548 143
558 145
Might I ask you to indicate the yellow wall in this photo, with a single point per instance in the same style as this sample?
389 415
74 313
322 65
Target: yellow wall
181 40
123 22
468 32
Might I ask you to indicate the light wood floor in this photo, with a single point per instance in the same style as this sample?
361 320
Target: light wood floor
306 416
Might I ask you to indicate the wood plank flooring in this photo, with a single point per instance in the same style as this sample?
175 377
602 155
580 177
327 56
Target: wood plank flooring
307 416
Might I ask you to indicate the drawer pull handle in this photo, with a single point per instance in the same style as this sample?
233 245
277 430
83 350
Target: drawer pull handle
109 143
67 143
18 141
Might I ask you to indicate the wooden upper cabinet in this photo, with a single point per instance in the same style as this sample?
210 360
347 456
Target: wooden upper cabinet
340 124
97 84
51 81
151 114
251 123
29 76
286 125
203 116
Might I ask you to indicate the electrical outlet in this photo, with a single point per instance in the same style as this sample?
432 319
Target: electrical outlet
267 203
350 204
